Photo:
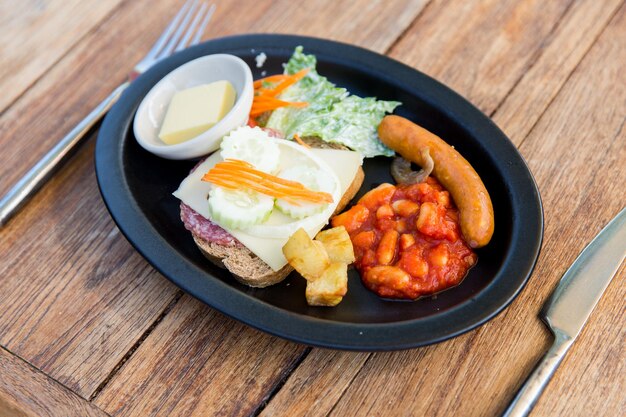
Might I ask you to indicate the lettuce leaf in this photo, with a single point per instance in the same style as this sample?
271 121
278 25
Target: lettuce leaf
332 114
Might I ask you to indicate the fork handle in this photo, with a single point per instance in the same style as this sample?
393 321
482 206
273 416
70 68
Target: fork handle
41 172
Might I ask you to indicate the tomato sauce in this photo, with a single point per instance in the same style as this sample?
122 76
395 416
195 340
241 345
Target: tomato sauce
407 240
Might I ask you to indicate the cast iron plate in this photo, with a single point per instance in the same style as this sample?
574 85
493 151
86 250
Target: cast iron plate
136 187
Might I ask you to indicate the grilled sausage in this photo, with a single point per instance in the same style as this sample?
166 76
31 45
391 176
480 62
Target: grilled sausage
452 171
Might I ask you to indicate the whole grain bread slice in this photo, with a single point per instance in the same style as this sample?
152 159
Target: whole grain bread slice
248 268
244 265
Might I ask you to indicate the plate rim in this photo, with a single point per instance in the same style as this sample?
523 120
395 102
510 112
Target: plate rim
298 327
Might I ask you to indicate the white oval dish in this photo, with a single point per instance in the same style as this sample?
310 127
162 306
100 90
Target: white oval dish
204 70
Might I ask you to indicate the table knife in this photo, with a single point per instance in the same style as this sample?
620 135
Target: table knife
568 308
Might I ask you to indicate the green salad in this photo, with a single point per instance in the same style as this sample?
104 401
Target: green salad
332 114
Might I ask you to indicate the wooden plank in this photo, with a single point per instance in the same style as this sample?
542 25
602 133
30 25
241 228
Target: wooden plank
573 37
371 24
24 392
28 49
479 48
75 296
76 315
316 384
557 57
197 362
499 355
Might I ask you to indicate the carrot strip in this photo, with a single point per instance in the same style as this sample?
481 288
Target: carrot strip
235 185
252 178
288 82
268 100
272 100
258 184
281 77
264 183
265 98
240 162
249 168
262 108
271 79
279 103
296 137
234 174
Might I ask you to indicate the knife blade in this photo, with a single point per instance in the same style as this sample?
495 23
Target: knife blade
571 304
583 283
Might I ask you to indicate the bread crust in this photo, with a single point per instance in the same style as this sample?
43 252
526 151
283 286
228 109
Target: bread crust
244 265
248 268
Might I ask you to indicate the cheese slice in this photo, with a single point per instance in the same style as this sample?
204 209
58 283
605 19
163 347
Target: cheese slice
194 192
195 110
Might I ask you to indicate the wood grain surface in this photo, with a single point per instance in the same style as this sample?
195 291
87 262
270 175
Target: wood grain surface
36 34
25 391
222 366
87 327
75 318
559 55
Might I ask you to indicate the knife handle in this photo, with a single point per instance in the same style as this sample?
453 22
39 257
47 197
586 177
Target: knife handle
38 174
534 385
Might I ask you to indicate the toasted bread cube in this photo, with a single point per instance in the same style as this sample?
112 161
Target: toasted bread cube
307 257
338 244
330 288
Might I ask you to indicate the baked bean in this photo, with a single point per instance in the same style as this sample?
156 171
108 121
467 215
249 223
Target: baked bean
401 226
369 258
415 264
388 276
406 241
443 198
352 219
439 255
364 239
427 218
405 208
378 196
386 224
387 247
385 212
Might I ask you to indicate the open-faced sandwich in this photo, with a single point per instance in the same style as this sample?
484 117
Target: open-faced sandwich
243 213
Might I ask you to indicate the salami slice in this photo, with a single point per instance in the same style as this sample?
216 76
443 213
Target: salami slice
205 228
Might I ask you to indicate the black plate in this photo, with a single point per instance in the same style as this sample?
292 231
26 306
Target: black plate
136 187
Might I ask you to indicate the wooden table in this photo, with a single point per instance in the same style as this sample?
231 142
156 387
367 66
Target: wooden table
87 327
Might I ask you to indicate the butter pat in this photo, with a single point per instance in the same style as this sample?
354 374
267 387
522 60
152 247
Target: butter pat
195 110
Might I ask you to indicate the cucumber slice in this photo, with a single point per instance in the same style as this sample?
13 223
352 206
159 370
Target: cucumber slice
236 209
313 179
253 145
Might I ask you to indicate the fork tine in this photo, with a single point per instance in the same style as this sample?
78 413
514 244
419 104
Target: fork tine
167 50
158 45
200 31
183 42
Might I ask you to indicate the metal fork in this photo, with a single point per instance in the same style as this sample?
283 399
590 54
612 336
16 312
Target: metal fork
184 30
